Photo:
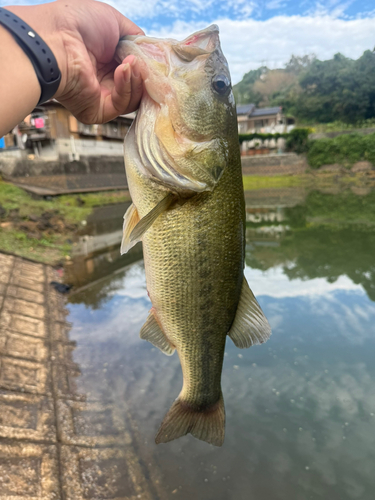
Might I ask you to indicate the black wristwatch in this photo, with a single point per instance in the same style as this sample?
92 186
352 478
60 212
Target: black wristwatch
40 55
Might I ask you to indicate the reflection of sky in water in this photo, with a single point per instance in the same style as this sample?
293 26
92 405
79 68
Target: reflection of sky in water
300 409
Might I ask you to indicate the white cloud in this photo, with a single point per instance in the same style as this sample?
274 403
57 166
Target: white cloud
247 43
275 283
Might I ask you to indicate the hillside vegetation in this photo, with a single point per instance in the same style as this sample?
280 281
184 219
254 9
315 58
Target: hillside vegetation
314 91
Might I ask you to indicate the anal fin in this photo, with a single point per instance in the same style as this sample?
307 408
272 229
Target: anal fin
131 219
250 326
152 332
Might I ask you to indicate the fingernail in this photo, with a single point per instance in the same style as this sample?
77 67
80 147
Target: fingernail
126 73
135 69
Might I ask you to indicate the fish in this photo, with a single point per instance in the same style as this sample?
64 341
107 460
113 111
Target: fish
183 166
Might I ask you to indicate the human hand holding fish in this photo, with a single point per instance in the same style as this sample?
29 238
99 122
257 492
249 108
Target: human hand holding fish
83 37
183 167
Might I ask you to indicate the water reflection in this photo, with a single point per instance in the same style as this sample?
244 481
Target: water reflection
300 409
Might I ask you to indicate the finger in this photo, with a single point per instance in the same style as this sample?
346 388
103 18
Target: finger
117 102
126 26
136 85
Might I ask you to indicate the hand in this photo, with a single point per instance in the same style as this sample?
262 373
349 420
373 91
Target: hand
83 36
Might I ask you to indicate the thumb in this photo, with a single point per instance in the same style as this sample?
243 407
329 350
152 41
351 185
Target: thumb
126 26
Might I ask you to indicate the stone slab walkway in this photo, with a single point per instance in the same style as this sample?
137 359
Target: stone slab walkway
54 443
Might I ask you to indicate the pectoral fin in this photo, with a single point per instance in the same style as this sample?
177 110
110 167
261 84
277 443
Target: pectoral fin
131 219
152 332
250 326
147 221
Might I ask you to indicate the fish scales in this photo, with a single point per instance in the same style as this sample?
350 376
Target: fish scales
194 245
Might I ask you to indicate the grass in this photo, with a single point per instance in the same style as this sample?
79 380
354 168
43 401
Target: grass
252 182
308 180
12 197
50 248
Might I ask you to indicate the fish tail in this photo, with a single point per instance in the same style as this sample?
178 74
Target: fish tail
207 424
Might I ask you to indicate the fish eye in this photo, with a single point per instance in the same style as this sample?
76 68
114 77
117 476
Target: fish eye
220 84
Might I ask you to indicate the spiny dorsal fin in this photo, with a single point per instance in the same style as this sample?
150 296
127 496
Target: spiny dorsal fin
250 326
131 219
152 332
147 221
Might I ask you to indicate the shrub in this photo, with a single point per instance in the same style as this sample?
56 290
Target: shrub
298 140
345 149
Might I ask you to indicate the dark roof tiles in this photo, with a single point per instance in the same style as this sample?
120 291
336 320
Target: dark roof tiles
251 110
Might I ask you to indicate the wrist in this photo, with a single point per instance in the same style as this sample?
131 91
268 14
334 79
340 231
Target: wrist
44 20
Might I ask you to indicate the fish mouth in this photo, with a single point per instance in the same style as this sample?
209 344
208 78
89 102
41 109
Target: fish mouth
154 56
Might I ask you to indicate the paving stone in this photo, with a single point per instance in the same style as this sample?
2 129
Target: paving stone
91 424
28 472
23 307
58 314
31 284
6 260
25 294
90 384
22 324
21 265
65 382
23 346
24 376
63 353
28 417
5 274
56 300
60 331
105 474
21 272
3 287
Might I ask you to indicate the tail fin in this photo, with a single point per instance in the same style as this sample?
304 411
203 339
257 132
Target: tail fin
207 425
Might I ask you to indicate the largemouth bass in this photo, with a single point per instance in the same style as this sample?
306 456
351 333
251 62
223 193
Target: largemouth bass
183 167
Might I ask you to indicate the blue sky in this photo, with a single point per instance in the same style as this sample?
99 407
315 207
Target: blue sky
255 32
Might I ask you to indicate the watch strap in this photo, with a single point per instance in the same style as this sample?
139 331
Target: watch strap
40 55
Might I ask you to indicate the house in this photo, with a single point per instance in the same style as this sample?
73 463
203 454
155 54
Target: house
51 132
264 120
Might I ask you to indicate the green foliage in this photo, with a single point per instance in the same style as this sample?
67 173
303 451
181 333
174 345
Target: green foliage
345 150
298 140
244 92
257 135
340 126
339 89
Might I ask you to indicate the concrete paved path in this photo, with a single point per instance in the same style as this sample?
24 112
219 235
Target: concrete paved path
54 444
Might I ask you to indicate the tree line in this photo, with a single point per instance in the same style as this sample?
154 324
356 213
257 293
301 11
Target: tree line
315 91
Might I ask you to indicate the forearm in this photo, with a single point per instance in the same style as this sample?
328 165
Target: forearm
19 86
82 36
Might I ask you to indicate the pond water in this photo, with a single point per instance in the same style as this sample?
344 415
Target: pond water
300 409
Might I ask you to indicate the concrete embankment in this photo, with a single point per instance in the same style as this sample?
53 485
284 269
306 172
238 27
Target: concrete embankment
282 164
44 177
95 173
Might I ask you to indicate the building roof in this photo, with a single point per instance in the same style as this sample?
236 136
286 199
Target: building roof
245 109
266 111
251 110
